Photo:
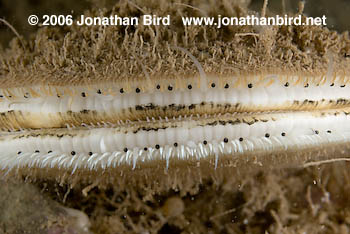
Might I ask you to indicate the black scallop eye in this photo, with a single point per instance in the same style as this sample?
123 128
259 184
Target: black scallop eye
189 86
83 94
250 86
137 90
99 91
90 153
226 86
225 140
125 150
286 84
121 90
213 85
158 87
267 135
72 153
240 139
170 88
157 146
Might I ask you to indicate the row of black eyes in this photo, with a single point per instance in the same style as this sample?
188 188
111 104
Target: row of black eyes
267 135
213 85
170 88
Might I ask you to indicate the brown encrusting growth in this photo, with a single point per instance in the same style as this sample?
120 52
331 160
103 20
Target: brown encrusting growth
251 194
94 54
289 200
